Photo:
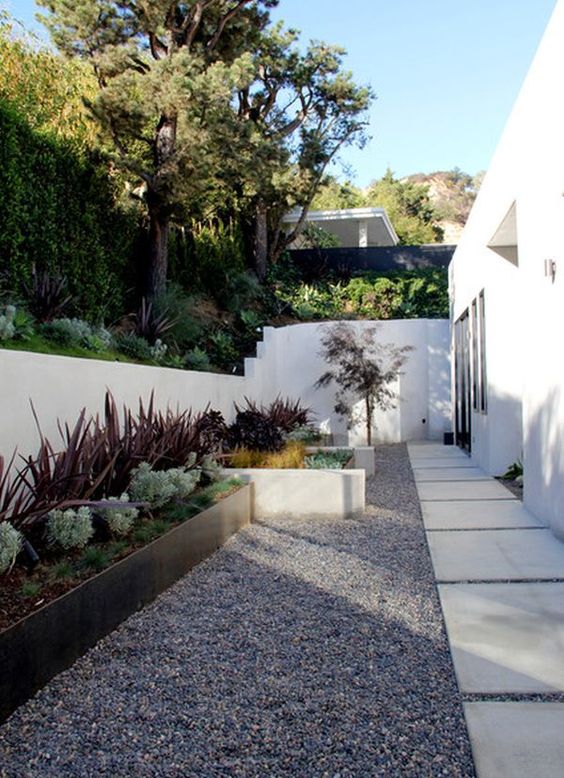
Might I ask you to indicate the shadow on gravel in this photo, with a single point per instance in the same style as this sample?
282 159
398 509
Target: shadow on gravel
264 674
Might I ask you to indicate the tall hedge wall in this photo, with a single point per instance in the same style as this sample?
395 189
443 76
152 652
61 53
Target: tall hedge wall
57 212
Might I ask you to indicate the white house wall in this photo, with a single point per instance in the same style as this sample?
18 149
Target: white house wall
288 364
524 309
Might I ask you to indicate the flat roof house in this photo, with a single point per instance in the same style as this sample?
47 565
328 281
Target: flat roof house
354 227
507 296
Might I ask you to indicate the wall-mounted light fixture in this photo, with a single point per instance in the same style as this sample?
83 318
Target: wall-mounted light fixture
550 269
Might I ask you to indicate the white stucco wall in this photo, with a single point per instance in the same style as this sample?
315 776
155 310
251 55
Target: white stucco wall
524 309
288 363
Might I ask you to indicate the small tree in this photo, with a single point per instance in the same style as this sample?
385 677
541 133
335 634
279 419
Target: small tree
363 369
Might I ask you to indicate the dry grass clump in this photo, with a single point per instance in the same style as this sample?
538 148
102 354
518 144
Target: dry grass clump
291 457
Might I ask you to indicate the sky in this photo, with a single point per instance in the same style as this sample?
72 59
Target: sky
446 73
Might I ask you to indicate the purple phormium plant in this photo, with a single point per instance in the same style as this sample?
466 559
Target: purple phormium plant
150 325
47 296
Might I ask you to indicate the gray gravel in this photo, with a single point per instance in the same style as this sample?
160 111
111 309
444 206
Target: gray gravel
302 648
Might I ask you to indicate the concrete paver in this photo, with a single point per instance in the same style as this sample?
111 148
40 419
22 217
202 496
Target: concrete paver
480 490
424 462
450 474
517 739
477 514
496 555
506 638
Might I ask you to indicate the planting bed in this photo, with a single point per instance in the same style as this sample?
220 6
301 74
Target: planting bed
48 640
23 594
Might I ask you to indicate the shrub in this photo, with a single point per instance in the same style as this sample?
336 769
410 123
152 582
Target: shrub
10 546
197 359
161 487
67 332
328 460
133 346
77 333
70 529
223 349
305 434
252 430
287 414
96 558
158 350
46 295
211 470
7 326
120 520
150 325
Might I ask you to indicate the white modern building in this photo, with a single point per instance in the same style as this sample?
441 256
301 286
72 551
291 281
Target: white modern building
507 295
354 227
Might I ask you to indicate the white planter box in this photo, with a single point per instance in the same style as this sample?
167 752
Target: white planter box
304 493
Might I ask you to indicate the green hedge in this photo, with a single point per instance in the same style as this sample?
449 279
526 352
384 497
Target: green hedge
58 213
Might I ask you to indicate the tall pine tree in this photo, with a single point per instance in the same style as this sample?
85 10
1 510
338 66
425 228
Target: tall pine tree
167 72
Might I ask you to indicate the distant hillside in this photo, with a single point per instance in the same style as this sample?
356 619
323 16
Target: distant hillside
452 193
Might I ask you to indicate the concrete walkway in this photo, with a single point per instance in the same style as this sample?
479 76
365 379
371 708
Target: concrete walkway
500 577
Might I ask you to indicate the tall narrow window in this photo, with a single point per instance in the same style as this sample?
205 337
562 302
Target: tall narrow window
476 371
483 380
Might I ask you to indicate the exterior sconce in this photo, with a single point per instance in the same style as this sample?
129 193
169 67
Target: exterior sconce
550 269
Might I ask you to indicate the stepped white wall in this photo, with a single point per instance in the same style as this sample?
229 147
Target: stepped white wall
288 363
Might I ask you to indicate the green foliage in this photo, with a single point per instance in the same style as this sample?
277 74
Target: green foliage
96 558
186 328
121 519
223 349
77 333
63 571
70 529
7 325
31 589
409 208
334 195
197 359
306 434
46 90
514 471
328 460
133 346
402 294
316 237
61 217
10 546
218 256
161 487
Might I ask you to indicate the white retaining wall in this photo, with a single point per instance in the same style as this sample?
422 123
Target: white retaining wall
288 364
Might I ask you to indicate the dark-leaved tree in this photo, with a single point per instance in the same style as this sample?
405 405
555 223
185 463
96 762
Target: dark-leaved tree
363 368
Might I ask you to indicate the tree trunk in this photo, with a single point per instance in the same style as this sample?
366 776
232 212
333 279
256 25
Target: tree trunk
158 252
261 241
369 413
159 219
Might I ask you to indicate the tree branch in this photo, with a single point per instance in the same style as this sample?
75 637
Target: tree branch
213 41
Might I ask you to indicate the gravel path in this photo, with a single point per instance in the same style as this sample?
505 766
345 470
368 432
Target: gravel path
301 649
